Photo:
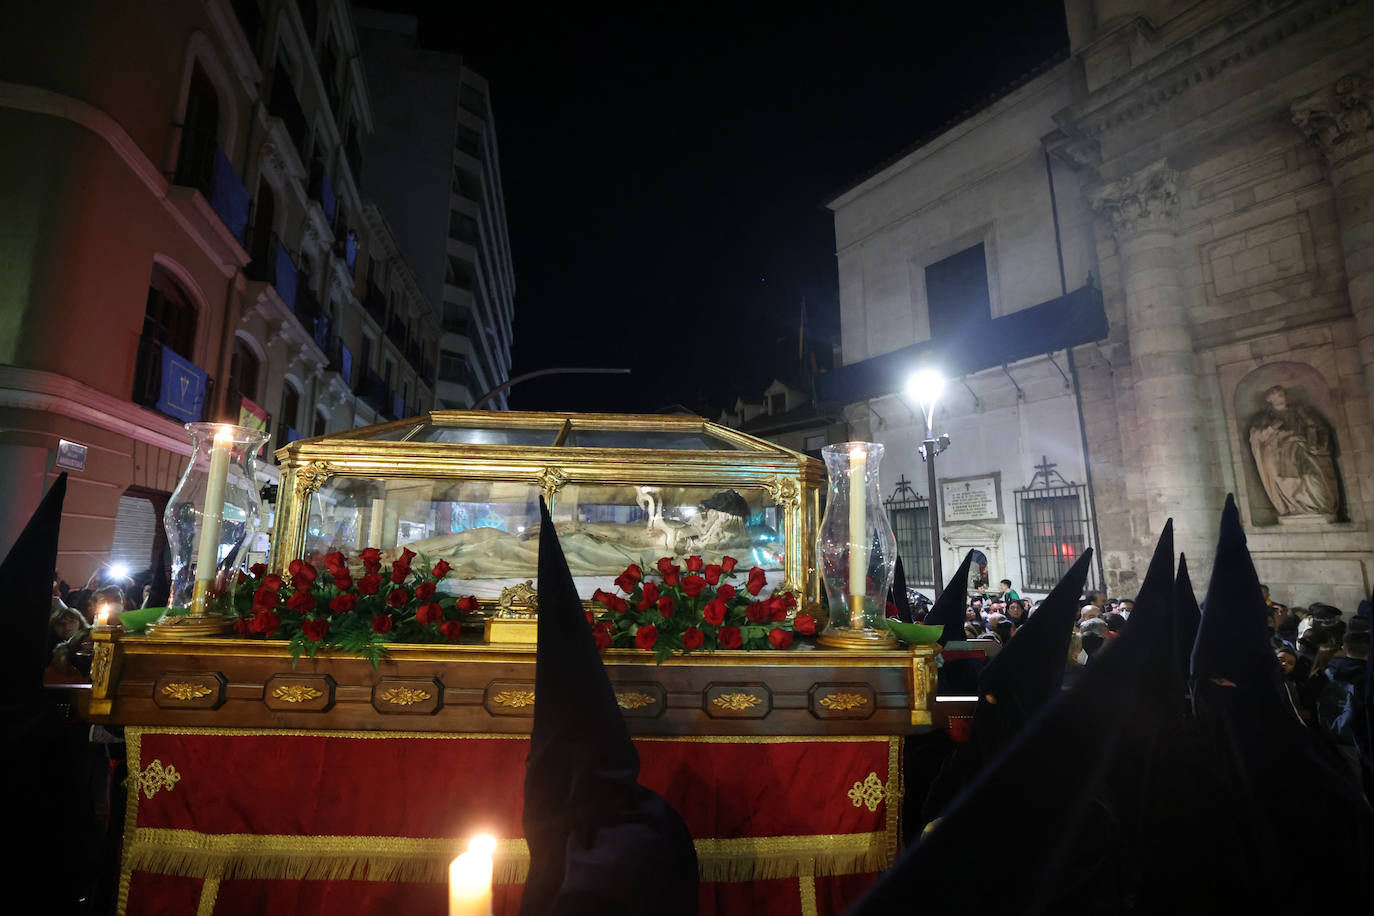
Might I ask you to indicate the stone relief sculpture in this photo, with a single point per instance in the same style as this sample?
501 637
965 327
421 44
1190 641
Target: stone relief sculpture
1293 448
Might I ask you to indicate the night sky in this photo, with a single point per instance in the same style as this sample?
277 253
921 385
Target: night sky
666 172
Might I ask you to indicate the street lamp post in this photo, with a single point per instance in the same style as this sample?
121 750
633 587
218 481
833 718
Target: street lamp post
925 387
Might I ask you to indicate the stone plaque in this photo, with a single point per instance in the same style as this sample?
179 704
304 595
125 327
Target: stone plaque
971 499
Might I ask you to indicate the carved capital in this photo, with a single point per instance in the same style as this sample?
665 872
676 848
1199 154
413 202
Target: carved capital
1144 201
1338 120
310 477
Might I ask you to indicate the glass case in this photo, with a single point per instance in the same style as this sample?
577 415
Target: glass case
464 486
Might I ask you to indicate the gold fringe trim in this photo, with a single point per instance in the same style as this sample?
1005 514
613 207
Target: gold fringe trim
407 859
209 896
806 886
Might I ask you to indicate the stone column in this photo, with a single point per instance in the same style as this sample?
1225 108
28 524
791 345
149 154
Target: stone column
1175 462
1339 122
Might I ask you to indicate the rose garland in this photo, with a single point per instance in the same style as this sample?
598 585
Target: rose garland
693 609
330 609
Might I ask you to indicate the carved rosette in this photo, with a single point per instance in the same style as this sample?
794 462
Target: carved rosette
311 477
1338 120
1142 202
551 480
784 491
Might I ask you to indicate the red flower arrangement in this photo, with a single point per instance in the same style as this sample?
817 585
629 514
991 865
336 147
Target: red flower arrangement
331 609
691 608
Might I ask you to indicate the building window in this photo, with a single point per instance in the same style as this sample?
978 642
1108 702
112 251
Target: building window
777 404
244 369
910 517
199 135
466 184
462 227
813 443
470 141
290 415
459 273
1051 527
957 299
321 421
472 100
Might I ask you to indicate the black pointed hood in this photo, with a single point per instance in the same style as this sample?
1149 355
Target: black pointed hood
586 818
1029 670
26 577
1187 616
1152 625
899 596
949 609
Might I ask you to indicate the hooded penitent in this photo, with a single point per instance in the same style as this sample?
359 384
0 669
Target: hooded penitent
600 843
898 595
26 578
1187 615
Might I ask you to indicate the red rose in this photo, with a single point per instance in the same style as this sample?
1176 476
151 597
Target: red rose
645 637
648 598
274 582
467 604
665 606
757 580
265 598
714 612
804 624
727 564
670 577
619 604
891 610
602 597
603 639
758 612
301 603
625 583
789 600
428 613
729 638
406 556
591 619
241 626
372 559
306 572
712 574
777 608
633 572
725 592
664 564
399 572
336 563
258 570
694 564
692 638
692 585
398 598
343 581
382 623
780 638
369 584
265 622
343 604
295 567
241 578
440 569
314 630
424 591
451 630
302 583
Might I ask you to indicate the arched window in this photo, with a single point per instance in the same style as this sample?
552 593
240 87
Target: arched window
199 135
169 322
244 369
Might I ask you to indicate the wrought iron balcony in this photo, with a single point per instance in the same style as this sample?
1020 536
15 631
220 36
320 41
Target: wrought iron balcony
202 165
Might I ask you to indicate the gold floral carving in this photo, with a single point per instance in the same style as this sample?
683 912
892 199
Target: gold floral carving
551 480
736 702
100 669
633 700
296 693
519 600
311 476
839 702
516 699
870 793
404 696
153 778
784 491
185 691
920 686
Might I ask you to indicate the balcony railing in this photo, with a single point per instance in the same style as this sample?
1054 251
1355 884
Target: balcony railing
159 374
278 269
398 406
202 165
284 104
374 303
373 391
340 358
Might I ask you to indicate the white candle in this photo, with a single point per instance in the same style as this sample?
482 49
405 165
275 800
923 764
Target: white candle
207 557
469 879
102 616
858 534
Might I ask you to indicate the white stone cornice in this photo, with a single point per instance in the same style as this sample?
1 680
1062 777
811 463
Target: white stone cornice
237 44
1144 201
1338 119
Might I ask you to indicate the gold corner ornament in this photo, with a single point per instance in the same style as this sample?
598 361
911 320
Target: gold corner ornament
404 696
870 793
516 699
839 702
296 693
784 491
519 600
633 700
551 480
311 476
736 702
178 691
155 777
100 669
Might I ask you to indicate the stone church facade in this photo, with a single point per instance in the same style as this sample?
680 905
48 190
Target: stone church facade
1208 168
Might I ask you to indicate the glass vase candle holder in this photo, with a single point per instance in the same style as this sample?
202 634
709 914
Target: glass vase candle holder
855 549
209 519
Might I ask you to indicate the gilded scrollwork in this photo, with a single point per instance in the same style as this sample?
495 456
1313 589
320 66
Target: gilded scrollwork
181 691
311 476
518 601
736 702
100 668
515 699
839 702
404 696
296 693
633 700
155 777
784 491
551 480
870 793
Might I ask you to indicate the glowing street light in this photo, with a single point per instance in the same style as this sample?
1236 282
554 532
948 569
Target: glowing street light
925 388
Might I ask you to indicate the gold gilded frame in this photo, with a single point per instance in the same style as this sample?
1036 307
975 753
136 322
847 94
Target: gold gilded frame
791 480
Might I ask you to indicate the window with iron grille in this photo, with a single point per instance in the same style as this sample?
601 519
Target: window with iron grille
1052 528
910 517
